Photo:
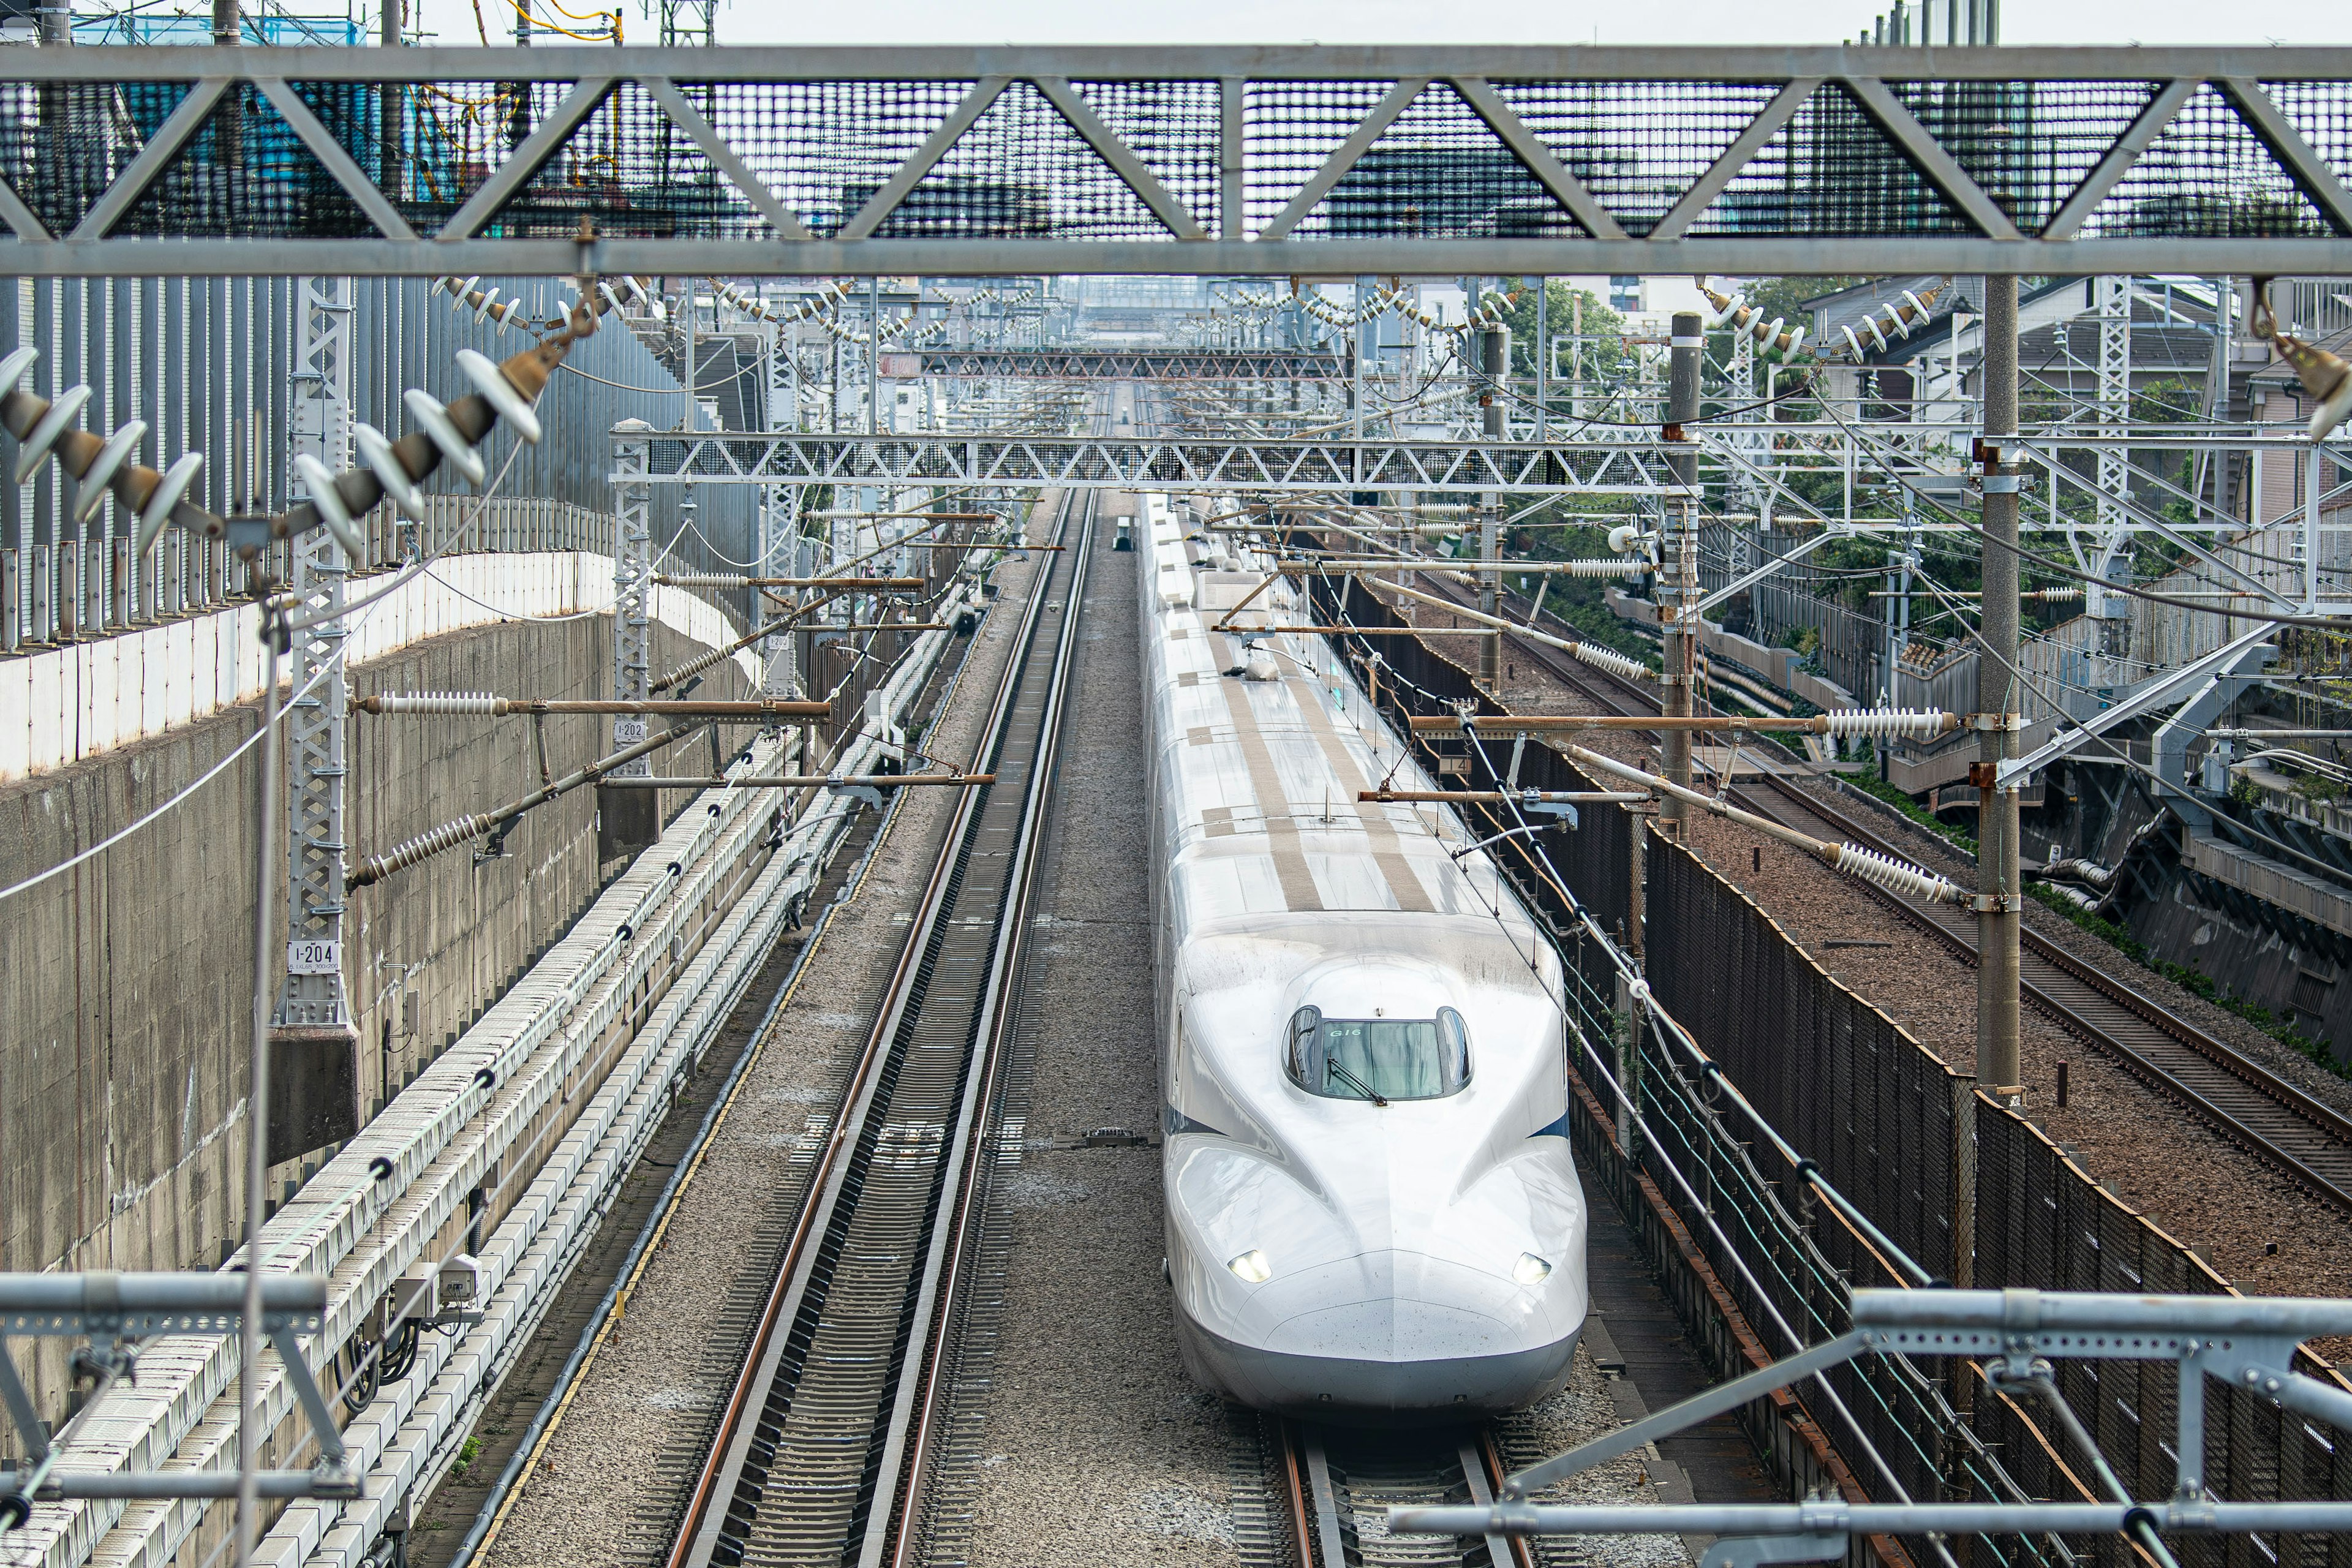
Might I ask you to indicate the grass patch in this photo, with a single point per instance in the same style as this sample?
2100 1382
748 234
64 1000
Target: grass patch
1879 789
2115 934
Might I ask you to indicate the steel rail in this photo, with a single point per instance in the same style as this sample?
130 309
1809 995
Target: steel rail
2250 1105
730 1488
913 1440
1333 1481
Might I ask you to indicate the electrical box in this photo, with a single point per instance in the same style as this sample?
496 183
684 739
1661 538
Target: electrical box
461 1281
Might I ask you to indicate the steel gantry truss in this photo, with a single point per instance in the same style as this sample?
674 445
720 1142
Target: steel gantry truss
1632 466
1192 365
968 160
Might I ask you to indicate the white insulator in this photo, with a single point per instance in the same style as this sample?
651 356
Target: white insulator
610 297
1620 567
1920 310
1729 309
492 384
1870 324
428 411
110 457
12 368
1611 660
460 290
448 835
477 704
329 502
44 432
705 580
1623 537
1766 336
1853 343
1796 338
1258 665
166 495
482 309
1896 877
1894 723
375 451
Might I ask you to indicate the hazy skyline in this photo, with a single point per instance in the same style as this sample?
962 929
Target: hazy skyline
1397 21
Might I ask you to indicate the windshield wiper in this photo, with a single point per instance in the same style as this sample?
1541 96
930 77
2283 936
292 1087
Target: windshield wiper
1332 1069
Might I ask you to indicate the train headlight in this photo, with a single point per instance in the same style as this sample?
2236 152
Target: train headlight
1530 1269
1253 1267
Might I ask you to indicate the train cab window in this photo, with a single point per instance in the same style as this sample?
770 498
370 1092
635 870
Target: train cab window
1379 1060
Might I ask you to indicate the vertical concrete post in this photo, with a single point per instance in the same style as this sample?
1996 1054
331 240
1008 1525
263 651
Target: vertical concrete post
313 1040
1679 577
1999 898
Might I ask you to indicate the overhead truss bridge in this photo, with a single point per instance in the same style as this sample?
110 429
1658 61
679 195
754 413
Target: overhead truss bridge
1121 365
1302 161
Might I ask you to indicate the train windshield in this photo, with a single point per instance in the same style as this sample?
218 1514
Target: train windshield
1379 1060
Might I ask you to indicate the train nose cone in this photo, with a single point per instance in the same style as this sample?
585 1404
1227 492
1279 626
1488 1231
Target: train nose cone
1394 1337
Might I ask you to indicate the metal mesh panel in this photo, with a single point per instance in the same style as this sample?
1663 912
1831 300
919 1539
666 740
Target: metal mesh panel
2323 112
455 134
2206 173
1021 173
2029 144
243 172
631 171
60 146
1637 145
1173 126
1439 172
1829 171
1289 129
824 147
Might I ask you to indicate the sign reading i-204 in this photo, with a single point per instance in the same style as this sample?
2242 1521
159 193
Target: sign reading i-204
315 957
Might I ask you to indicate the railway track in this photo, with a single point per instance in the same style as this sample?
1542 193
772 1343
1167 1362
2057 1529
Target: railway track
1334 1486
821 1447
2307 1140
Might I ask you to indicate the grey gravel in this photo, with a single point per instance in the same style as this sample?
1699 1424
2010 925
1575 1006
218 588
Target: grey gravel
652 1385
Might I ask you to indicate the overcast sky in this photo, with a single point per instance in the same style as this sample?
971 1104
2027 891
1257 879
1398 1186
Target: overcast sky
1423 21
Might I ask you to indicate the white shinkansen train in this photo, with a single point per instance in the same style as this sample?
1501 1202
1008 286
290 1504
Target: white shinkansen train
1372 1211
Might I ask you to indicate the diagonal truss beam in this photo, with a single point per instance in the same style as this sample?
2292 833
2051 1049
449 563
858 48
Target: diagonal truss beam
1132 171
883 202
1930 157
2288 146
170 137
705 136
339 165
1359 140
1735 157
507 181
1564 187
2160 111
20 218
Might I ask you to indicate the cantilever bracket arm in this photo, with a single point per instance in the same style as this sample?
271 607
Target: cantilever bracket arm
1688 1413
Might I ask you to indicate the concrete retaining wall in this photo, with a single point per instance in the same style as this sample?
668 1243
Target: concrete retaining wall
126 981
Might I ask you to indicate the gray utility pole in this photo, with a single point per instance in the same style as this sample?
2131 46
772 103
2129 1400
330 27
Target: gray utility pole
391 109
1495 370
1999 900
1678 562
314 1041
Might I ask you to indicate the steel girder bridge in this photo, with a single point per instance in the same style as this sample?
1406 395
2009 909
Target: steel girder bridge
1126 364
1341 160
1634 467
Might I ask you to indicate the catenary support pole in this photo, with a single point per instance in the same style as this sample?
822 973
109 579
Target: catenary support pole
1679 558
1493 370
275 640
1998 901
